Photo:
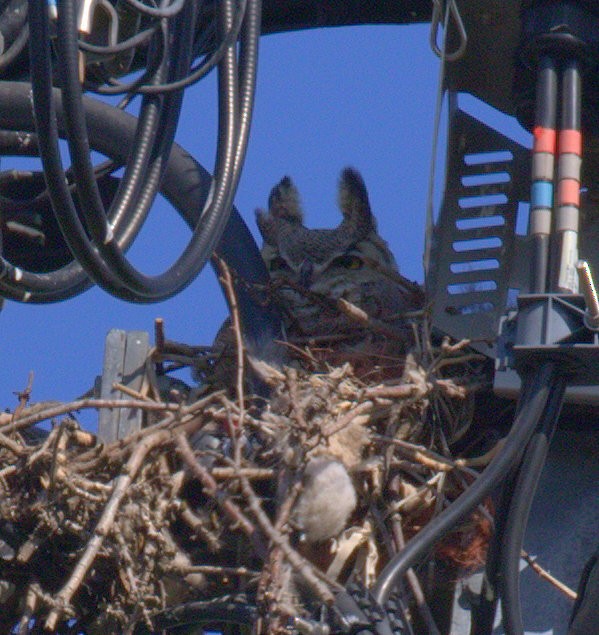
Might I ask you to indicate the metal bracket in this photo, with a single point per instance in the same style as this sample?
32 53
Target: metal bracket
125 355
476 255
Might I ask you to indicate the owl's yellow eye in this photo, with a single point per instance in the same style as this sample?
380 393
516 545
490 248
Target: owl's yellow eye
278 264
348 261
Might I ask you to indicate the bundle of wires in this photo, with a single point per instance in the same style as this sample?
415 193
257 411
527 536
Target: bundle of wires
98 237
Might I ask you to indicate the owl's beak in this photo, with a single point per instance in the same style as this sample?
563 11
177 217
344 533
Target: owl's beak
305 274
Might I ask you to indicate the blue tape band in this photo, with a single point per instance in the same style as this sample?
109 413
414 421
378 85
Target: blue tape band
541 194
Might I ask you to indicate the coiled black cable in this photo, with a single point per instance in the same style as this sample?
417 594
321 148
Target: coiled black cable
190 262
519 510
130 43
25 283
248 62
185 186
149 75
534 401
213 219
150 150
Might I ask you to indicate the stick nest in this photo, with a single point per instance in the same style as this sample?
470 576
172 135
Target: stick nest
201 503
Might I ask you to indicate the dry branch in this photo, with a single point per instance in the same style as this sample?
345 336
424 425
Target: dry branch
201 502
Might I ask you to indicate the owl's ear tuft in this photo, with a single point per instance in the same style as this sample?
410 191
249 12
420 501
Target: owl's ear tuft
266 225
353 200
284 201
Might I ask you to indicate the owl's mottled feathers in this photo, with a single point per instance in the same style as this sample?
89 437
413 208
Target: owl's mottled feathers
351 262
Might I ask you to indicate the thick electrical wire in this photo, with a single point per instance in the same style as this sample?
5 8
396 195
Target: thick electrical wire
534 401
484 611
122 289
185 186
156 59
152 144
483 614
144 287
124 46
69 277
16 48
25 283
51 290
21 285
519 510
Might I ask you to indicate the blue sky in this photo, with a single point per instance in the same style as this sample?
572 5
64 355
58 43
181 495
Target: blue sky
361 96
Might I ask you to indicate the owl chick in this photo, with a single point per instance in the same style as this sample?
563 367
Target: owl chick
350 262
328 498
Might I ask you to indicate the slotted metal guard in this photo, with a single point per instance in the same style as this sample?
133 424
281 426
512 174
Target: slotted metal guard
476 256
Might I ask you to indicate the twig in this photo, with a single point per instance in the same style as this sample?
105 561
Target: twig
210 569
545 575
132 393
24 396
159 337
16 448
31 601
362 318
254 473
483 459
343 422
121 485
428 458
401 391
236 324
82 404
211 488
196 524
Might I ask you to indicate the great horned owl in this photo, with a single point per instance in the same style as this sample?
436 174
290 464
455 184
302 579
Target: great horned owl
311 269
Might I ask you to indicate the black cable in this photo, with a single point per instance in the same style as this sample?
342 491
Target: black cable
195 74
519 510
16 47
145 166
218 612
248 62
146 288
483 614
62 283
186 186
26 283
542 382
154 63
120 47
168 11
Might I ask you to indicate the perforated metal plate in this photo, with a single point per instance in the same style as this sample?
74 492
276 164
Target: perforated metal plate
476 256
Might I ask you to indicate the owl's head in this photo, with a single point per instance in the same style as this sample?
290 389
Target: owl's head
308 253
350 261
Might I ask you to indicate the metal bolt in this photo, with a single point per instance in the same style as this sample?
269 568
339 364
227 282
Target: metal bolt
585 279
